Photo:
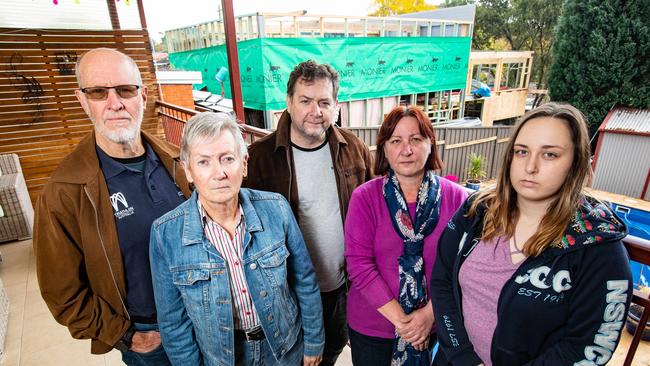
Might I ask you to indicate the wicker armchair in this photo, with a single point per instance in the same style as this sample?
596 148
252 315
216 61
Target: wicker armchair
17 213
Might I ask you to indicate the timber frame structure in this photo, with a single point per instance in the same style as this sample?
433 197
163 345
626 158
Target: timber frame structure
508 72
301 24
440 105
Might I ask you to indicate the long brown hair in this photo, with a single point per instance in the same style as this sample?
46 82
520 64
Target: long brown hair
388 127
501 203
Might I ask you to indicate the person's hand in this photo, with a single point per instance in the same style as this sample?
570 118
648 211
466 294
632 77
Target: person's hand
143 342
312 360
421 346
392 311
401 323
419 325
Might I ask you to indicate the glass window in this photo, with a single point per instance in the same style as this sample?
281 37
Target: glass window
485 73
511 75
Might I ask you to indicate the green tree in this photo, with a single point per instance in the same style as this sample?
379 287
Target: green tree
535 30
519 25
601 56
394 7
159 45
450 3
524 24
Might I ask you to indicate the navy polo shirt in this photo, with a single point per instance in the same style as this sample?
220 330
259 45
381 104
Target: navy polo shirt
138 198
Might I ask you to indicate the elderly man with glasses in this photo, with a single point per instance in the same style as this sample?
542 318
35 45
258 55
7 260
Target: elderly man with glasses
94 216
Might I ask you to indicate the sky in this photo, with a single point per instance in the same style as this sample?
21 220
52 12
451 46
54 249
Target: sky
169 14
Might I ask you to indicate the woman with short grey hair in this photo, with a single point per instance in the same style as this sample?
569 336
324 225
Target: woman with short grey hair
233 281
208 125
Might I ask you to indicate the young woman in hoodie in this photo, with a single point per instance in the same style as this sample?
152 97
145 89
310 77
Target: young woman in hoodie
533 272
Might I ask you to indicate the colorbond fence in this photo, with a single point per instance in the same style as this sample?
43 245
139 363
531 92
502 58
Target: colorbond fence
454 143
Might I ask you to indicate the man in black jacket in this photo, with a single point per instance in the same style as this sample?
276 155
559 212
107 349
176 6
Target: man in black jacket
316 166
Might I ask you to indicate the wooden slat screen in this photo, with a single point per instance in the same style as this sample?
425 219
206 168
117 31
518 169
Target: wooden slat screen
40 118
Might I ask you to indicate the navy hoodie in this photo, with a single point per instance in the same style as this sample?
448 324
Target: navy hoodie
566 306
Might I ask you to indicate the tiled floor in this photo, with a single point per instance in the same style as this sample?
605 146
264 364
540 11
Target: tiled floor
34 338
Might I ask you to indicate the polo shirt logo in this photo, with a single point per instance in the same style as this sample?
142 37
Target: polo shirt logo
116 199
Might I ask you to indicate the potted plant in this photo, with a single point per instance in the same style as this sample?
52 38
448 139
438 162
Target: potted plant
475 171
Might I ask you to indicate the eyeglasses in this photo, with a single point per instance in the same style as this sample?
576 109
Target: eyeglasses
101 92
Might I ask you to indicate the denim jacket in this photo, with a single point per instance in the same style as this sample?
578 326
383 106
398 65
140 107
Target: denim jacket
192 289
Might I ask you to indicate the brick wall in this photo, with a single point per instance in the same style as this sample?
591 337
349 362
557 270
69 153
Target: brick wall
179 94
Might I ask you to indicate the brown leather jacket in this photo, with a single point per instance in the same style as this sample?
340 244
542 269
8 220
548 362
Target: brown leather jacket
270 165
78 260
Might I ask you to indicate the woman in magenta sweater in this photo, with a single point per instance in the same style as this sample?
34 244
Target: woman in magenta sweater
391 235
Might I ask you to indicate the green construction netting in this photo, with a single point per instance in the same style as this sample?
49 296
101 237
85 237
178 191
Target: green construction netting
368 67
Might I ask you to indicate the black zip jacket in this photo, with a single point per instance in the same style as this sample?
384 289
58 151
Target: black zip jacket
566 306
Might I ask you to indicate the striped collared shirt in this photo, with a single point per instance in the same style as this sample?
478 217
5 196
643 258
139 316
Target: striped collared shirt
245 316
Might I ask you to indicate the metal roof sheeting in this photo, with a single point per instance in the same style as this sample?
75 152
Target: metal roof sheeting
628 119
463 12
86 14
620 166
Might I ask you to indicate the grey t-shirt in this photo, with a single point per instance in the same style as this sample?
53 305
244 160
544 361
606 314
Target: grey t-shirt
319 214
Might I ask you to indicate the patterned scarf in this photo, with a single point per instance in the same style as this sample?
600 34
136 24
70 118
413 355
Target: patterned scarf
412 282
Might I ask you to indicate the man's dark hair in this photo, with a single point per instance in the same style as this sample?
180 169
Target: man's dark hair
311 70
